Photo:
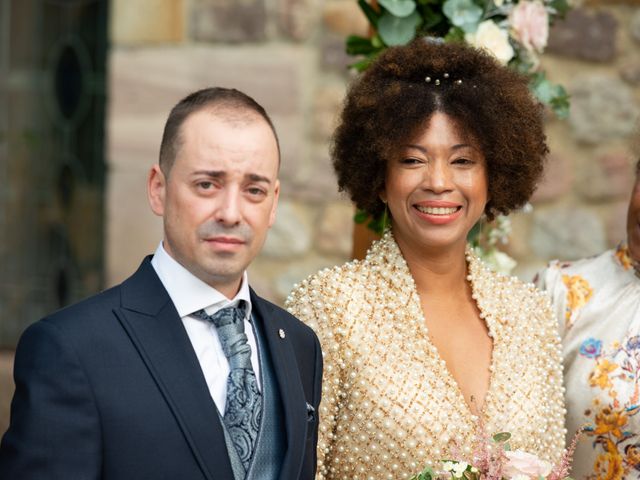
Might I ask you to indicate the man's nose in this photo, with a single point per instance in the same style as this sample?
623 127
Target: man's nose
228 207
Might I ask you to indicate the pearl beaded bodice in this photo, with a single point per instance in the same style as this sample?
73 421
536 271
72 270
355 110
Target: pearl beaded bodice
389 405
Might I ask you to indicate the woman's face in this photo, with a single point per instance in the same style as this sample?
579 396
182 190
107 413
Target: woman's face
436 186
633 221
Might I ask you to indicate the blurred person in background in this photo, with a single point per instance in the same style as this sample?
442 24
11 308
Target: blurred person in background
597 303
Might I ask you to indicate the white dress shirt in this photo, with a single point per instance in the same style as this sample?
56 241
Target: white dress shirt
190 294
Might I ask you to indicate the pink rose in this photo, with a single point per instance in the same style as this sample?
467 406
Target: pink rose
530 23
525 464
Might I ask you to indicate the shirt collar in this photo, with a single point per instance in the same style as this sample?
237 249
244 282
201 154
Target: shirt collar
190 294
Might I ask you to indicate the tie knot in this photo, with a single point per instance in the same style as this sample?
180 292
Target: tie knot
229 323
225 316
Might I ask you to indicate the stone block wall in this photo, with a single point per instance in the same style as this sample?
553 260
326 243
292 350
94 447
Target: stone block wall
289 55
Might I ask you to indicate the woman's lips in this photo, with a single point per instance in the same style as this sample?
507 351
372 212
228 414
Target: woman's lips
438 213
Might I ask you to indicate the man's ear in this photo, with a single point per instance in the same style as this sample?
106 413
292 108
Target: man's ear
276 195
156 190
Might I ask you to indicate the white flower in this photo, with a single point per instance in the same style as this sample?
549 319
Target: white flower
500 261
493 38
459 469
498 3
448 466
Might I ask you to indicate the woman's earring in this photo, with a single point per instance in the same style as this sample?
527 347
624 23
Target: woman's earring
385 216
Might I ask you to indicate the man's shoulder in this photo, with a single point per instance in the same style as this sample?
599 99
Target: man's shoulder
87 310
95 307
284 317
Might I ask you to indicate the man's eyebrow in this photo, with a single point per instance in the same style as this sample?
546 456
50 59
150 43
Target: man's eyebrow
253 177
211 173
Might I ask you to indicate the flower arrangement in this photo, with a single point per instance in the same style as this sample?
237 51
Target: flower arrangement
495 461
515 31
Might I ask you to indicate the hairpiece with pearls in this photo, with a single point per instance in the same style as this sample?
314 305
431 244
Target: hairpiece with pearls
437 81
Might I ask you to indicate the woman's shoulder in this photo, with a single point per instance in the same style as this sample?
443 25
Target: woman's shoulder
327 282
326 294
509 298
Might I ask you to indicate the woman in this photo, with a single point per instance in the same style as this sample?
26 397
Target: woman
422 342
597 301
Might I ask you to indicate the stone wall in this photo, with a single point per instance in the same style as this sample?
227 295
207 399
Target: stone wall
288 54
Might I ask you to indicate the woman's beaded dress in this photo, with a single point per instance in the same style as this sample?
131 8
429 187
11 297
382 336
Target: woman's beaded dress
389 405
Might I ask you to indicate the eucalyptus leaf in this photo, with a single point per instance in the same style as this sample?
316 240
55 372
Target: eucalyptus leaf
398 30
501 437
399 8
462 13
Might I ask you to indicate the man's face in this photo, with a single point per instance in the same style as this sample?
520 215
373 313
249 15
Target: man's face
220 196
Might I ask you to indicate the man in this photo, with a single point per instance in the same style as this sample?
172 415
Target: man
182 371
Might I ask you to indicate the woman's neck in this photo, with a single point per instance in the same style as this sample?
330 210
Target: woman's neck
436 270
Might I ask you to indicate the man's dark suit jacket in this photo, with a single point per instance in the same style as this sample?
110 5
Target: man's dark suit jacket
111 388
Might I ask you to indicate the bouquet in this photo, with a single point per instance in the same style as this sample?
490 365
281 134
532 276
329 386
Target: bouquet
495 460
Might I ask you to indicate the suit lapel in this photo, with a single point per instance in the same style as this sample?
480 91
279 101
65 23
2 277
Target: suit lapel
153 324
288 377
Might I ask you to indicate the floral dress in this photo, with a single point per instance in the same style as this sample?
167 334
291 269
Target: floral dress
597 302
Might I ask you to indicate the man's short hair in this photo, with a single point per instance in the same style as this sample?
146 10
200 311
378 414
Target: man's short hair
230 103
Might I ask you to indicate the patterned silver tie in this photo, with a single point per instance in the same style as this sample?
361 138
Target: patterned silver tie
244 400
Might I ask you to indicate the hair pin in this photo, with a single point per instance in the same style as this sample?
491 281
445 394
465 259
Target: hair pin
437 81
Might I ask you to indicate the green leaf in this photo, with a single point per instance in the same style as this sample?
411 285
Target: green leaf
560 6
362 65
455 34
399 8
398 30
426 474
361 216
553 95
463 13
430 19
501 437
372 15
561 106
359 45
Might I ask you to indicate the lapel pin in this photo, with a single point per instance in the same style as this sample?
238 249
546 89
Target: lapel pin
281 333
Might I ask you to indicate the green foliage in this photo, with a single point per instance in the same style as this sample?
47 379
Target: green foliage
553 95
426 474
396 30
